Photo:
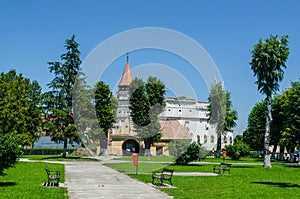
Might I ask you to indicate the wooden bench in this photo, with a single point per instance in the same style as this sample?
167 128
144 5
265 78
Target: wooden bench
53 177
166 174
222 167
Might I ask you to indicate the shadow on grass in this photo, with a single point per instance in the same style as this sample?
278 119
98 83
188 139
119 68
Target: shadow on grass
190 165
292 165
279 184
244 166
6 184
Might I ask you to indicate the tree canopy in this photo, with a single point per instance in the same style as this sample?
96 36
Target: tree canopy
59 120
146 103
20 116
268 61
254 134
290 113
105 107
220 112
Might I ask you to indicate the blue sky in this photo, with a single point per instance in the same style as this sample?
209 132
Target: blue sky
33 33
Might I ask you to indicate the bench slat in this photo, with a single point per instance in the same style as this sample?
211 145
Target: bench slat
53 176
166 174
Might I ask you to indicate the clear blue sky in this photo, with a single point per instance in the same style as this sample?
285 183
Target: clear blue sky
33 33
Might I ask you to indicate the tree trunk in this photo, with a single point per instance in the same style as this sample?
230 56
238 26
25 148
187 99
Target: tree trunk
64 154
274 152
219 144
103 144
267 159
281 155
147 147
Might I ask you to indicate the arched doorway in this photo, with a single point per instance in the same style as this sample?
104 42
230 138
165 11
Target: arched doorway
130 146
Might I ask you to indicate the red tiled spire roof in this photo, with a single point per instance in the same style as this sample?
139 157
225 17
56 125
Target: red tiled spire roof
126 76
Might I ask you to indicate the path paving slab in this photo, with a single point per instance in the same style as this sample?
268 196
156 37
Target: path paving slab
88 179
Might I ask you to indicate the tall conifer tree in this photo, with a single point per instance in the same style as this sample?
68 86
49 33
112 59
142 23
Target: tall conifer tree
59 118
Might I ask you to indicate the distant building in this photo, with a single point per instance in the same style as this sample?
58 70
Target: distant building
182 119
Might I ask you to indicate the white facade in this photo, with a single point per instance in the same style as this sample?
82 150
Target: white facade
190 113
193 115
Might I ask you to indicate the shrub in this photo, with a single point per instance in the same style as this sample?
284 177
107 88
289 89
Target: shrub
238 149
46 151
178 147
9 152
194 152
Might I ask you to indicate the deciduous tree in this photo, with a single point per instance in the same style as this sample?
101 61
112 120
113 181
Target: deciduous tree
146 103
268 62
221 114
254 134
20 116
105 107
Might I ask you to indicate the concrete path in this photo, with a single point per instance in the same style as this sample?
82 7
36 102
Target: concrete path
88 179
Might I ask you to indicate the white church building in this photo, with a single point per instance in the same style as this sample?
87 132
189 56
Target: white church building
182 118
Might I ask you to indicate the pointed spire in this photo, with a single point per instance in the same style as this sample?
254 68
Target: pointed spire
126 76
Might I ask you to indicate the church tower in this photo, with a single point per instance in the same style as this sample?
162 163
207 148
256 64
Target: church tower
123 122
123 86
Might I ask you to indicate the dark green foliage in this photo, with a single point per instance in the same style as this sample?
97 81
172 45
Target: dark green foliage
9 151
290 116
59 121
238 149
20 107
254 134
146 103
267 64
193 153
221 114
268 61
20 116
231 114
104 110
178 147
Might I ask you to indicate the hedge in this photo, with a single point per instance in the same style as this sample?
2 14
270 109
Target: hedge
46 151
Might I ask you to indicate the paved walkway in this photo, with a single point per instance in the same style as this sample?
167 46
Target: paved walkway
94 180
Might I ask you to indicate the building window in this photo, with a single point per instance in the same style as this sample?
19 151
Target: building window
206 126
225 139
230 140
198 138
212 139
205 139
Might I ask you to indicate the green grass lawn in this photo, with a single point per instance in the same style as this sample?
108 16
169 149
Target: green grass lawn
26 181
248 179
